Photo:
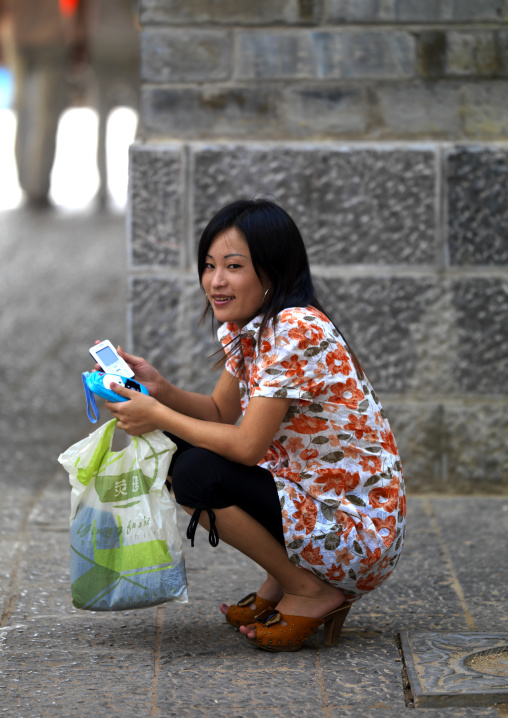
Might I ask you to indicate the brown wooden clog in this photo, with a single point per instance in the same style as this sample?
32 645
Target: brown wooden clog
272 636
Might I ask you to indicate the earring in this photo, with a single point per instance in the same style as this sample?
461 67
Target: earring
264 295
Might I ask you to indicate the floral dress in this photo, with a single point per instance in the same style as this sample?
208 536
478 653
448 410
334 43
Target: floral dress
334 458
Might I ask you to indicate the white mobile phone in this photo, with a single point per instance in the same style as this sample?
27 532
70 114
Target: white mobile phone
106 355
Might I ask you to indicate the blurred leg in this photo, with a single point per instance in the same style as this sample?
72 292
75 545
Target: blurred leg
41 99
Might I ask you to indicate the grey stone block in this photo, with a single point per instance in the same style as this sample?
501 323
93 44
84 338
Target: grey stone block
481 307
422 438
483 110
416 11
210 111
476 458
325 111
477 196
478 53
229 12
451 446
432 47
183 55
325 54
391 324
270 54
352 205
165 313
411 110
156 206
365 54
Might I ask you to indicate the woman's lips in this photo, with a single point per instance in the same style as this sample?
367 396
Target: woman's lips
221 300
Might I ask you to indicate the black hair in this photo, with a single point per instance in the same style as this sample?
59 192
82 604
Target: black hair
277 251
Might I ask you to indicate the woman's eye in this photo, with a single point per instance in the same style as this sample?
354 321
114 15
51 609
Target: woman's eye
234 266
208 265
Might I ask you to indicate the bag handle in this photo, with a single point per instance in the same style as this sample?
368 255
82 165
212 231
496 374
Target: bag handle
91 405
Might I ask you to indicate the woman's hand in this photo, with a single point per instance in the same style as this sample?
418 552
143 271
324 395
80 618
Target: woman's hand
144 373
136 416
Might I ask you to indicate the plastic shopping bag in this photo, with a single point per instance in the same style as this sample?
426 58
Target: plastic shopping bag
126 550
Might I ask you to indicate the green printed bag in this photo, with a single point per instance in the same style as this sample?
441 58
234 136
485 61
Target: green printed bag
126 550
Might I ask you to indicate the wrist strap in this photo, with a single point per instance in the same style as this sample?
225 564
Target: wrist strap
91 405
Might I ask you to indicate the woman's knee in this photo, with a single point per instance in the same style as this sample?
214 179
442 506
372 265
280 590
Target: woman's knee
192 476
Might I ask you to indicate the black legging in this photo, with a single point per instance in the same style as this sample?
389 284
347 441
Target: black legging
205 481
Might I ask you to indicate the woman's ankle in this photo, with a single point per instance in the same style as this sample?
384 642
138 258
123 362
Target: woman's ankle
270 589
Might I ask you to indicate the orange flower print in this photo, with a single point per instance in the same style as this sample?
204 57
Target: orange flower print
369 583
335 573
338 480
337 361
291 492
345 522
276 452
306 334
294 367
333 446
303 424
312 555
386 529
384 497
313 387
343 556
388 442
268 360
358 424
351 451
306 515
307 454
294 444
347 393
371 464
371 558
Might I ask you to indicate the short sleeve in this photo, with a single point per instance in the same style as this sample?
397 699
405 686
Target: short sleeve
290 362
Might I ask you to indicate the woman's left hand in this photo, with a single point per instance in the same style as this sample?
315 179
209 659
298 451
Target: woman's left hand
137 415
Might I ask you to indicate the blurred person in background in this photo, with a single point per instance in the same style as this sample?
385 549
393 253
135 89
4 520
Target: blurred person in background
48 38
114 56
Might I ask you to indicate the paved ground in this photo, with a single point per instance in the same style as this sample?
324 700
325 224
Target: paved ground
62 286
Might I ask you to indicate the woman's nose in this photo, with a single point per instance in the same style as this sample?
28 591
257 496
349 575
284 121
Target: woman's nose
218 279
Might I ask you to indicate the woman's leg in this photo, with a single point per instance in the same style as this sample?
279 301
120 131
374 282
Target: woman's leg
304 593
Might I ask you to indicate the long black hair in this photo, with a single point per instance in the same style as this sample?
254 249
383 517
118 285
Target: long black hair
278 254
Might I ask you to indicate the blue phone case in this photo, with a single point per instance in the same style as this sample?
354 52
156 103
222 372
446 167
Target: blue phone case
93 384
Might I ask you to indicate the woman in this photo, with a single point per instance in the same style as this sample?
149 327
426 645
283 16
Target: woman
311 478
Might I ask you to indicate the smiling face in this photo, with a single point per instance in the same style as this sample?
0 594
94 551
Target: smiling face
230 281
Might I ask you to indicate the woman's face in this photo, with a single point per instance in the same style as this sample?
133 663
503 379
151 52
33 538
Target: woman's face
230 281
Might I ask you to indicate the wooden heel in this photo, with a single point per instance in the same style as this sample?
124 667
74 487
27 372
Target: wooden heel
333 625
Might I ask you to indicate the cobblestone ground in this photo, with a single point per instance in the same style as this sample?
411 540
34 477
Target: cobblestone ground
61 287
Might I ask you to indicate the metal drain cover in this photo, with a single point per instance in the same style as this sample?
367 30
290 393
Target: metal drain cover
465 668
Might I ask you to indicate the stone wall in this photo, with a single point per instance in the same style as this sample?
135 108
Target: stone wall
342 69
378 124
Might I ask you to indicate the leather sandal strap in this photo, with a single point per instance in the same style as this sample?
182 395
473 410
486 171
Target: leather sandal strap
251 598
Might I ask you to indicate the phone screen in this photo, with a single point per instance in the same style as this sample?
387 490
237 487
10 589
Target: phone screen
107 357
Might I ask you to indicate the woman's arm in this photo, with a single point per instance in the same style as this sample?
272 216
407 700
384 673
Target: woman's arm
246 444
222 406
